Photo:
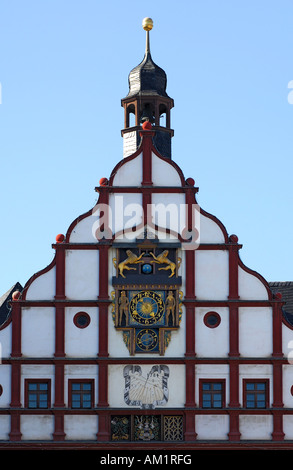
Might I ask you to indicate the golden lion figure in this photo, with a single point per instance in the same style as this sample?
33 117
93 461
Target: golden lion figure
162 259
131 259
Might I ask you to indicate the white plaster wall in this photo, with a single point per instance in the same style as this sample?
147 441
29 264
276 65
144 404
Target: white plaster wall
287 384
37 371
81 274
5 341
83 231
211 275
38 331
43 287
288 426
255 331
255 427
212 371
212 426
210 232
81 342
125 212
4 427
163 173
36 427
287 342
250 287
169 210
176 385
80 371
257 371
130 173
5 382
212 342
79 427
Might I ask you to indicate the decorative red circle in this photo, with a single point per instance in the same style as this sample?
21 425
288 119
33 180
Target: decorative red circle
81 319
16 295
291 390
212 319
190 181
1 390
60 238
103 182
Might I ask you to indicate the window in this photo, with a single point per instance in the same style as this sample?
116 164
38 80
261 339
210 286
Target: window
212 393
212 319
37 394
256 393
81 394
81 319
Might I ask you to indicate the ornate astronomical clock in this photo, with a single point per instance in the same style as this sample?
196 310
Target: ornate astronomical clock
147 296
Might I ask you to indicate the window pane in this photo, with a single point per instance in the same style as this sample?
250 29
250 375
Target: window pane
206 386
75 386
76 402
86 386
218 404
260 386
43 386
206 404
261 404
218 386
32 386
249 386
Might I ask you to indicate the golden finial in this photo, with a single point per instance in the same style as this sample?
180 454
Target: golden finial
147 24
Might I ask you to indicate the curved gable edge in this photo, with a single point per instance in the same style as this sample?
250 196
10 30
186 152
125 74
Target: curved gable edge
257 275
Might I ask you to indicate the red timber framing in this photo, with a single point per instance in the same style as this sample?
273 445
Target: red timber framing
191 302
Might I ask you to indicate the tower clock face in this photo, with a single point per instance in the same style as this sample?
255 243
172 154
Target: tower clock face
147 340
147 307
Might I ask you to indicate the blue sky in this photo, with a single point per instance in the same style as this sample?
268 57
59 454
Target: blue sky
64 68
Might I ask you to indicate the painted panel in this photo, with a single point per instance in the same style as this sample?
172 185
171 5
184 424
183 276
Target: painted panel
147 386
255 426
211 342
211 275
43 287
81 274
255 331
36 427
130 173
250 287
81 342
212 426
79 427
163 173
38 331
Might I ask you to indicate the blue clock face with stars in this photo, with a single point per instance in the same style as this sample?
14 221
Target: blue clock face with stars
147 307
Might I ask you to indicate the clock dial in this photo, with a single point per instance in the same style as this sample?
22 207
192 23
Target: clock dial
147 307
147 340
